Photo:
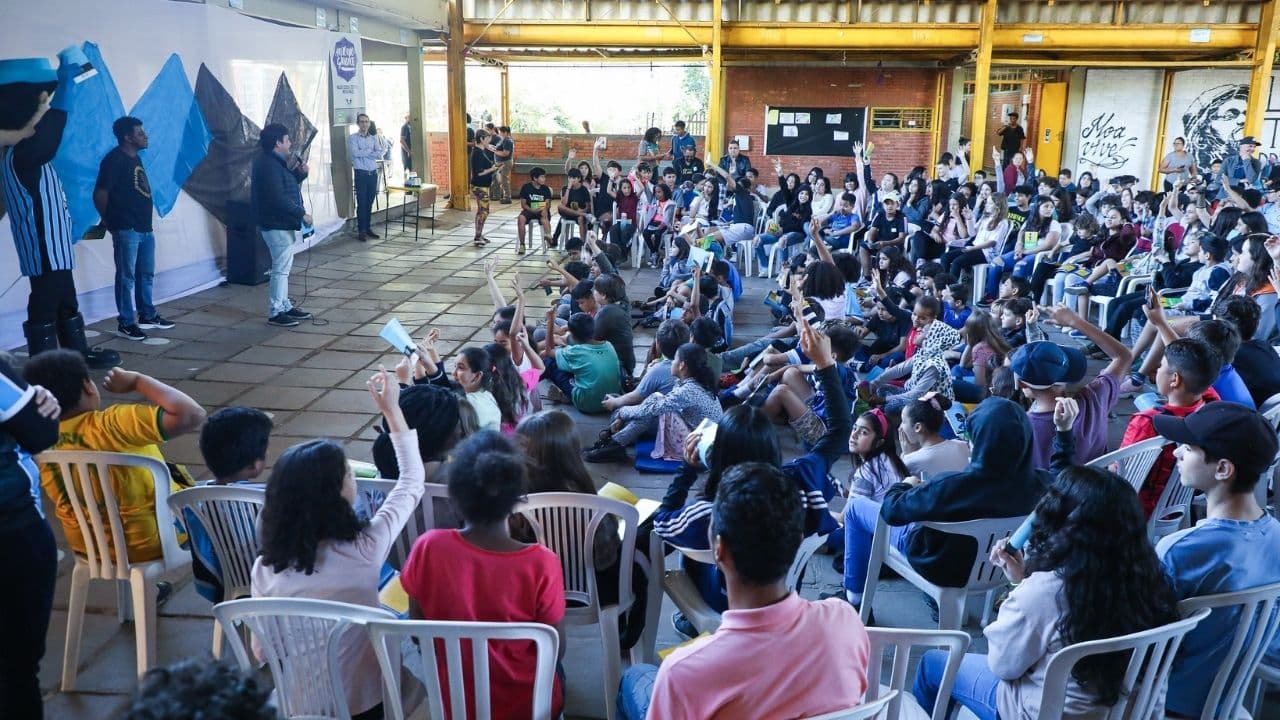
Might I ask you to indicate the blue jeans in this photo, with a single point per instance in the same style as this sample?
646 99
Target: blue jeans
562 379
1022 268
860 517
366 190
636 691
788 239
135 274
280 245
975 686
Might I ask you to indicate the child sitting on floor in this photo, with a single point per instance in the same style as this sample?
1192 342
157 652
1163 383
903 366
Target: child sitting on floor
797 399
876 465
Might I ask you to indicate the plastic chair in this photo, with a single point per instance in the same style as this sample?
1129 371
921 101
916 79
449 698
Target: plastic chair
298 640
102 534
1128 284
902 642
388 635
1270 409
685 596
1152 655
566 522
1173 509
1266 676
229 516
375 491
865 711
979 283
983 576
1259 618
1133 463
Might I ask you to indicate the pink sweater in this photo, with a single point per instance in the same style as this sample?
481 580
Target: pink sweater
348 572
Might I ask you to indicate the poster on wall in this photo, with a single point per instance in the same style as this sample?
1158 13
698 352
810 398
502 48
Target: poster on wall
347 74
1207 108
1117 134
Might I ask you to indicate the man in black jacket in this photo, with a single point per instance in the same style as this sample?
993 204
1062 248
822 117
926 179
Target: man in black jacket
276 195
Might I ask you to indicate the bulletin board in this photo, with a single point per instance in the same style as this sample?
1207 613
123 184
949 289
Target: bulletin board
813 131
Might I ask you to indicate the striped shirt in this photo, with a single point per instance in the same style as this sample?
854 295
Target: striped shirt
38 213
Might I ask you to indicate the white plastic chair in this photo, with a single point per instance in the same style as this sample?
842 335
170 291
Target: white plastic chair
1256 625
1173 509
298 640
388 636
865 711
229 515
1128 284
979 283
1133 463
1270 409
375 491
901 642
1265 677
983 576
566 522
685 596
102 534
1143 686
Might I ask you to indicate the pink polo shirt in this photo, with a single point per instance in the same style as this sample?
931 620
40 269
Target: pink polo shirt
792 659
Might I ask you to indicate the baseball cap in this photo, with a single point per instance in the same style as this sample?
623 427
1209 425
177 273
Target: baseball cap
1249 140
891 195
1044 364
1224 430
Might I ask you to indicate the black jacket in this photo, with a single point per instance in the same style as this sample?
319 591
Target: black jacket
1000 482
276 194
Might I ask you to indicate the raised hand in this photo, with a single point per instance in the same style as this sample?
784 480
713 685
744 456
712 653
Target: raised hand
1029 154
120 381
385 393
1064 413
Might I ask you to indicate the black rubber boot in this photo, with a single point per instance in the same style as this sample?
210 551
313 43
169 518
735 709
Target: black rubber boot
71 335
40 337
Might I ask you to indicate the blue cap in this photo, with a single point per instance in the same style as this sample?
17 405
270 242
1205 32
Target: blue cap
1044 364
27 70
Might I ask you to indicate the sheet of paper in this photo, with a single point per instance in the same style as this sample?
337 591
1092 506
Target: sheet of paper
833 118
787 118
647 508
840 136
790 131
396 336
614 491
772 117
802 118
698 256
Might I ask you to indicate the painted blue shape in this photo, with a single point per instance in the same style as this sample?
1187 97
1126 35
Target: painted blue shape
94 104
179 137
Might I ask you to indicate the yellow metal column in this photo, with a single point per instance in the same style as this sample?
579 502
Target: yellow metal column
1260 81
455 73
505 94
1162 130
716 103
982 84
936 148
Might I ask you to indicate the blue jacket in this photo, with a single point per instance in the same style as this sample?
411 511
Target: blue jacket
276 194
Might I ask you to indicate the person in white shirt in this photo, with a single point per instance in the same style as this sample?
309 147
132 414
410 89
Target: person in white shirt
364 149
924 451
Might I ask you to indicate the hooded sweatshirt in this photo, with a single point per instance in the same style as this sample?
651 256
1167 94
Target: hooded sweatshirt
1000 482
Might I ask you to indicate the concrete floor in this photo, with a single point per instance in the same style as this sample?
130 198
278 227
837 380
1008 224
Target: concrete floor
311 379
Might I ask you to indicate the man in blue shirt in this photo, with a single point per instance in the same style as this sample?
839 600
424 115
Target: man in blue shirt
681 139
1223 449
735 163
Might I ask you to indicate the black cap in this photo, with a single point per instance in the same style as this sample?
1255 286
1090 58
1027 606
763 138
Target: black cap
1249 140
1226 431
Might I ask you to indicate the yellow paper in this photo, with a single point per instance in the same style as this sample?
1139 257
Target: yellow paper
614 491
393 597
773 117
662 654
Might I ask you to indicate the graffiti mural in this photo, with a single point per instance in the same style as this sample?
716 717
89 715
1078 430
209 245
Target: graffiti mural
1117 130
1214 122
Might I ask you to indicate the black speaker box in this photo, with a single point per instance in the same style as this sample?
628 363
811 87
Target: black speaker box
247 256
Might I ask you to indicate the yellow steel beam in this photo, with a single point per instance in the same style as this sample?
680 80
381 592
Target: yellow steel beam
1125 38
982 85
1162 128
936 144
716 102
455 79
1166 38
504 90
1260 79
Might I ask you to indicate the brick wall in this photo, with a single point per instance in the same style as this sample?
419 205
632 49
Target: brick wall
996 117
750 89
532 147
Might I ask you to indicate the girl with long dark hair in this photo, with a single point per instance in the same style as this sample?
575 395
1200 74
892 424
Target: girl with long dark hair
315 546
1089 573
873 447
507 387
793 220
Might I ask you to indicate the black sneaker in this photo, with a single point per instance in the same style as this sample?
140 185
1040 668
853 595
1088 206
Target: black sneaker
605 451
298 314
164 591
130 332
155 323
683 626
282 320
371 234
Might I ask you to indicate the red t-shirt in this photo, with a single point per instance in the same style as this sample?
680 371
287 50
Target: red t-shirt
451 579
1142 427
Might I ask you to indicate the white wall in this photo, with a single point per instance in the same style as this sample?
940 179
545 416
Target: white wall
1116 134
136 37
